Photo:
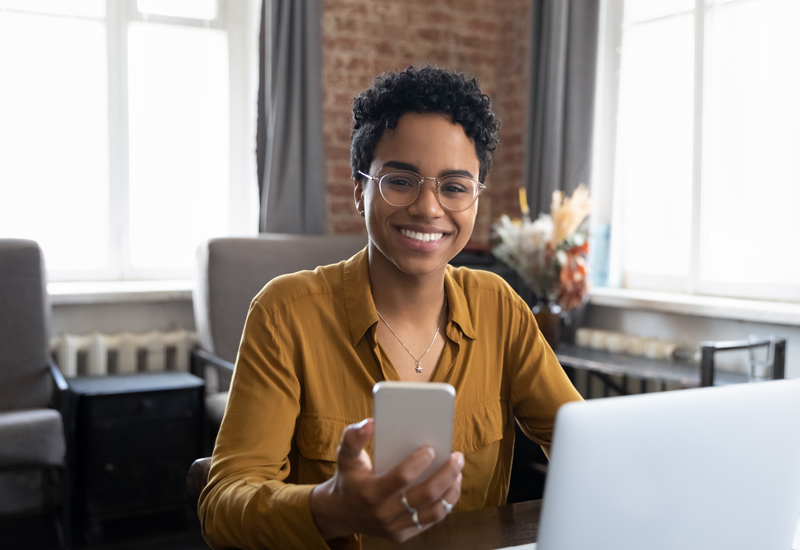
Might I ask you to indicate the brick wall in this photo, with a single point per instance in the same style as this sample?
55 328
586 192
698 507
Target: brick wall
486 38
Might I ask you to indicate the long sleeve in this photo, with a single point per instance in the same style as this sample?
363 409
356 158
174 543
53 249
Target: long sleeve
539 384
247 502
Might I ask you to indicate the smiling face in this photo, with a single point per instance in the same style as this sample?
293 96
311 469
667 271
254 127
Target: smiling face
418 239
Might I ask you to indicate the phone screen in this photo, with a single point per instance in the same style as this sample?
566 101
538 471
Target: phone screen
409 415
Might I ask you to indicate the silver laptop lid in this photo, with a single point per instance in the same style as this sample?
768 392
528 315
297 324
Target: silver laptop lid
705 469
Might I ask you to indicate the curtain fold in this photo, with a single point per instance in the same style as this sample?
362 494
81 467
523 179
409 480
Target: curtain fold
290 150
561 105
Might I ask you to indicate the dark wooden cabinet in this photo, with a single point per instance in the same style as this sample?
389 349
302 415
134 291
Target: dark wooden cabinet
134 438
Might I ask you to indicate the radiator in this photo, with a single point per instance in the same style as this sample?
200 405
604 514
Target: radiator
100 354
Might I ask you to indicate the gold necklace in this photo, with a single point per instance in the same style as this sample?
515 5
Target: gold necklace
418 361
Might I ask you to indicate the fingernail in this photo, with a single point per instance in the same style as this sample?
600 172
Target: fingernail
460 460
362 423
430 452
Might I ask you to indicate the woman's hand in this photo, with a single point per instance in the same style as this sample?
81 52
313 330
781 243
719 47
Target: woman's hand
355 500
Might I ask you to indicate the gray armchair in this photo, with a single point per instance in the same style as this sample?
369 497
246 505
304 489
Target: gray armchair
230 272
32 390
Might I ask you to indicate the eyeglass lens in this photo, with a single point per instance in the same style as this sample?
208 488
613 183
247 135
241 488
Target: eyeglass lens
454 192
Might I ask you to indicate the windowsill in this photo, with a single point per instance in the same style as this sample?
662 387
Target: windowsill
108 292
759 311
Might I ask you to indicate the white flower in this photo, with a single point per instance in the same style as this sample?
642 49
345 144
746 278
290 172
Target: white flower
537 234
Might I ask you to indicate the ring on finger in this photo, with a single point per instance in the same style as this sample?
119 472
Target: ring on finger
447 506
412 511
415 519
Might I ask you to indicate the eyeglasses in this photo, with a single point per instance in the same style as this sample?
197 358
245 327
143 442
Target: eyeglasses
454 193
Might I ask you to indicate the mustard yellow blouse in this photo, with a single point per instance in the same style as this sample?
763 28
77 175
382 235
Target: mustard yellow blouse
306 366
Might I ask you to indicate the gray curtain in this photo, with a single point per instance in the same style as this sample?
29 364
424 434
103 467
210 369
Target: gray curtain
291 158
563 66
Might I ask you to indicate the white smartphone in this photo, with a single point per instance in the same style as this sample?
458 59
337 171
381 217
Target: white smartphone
409 415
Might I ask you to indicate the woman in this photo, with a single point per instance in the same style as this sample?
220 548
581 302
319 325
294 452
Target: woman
291 467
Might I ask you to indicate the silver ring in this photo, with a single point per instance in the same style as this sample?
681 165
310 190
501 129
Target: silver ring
447 506
415 519
411 510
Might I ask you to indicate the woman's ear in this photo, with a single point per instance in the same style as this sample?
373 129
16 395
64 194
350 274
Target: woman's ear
358 195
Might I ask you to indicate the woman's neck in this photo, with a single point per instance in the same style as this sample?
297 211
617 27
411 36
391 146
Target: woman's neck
403 297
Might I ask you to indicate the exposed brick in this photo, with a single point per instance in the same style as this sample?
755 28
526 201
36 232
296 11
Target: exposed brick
340 190
485 38
334 153
343 208
439 17
346 43
349 226
512 140
342 171
429 35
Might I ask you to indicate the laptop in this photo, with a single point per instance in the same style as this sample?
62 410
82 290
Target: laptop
701 469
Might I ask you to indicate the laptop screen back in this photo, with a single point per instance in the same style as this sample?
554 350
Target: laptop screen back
709 468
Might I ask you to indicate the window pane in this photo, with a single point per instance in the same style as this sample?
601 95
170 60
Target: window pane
178 94
641 10
54 137
193 9
84 8
654 147
751 188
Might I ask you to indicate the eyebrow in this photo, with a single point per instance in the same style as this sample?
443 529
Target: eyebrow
412 168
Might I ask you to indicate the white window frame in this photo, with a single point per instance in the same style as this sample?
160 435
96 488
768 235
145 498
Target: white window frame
605 185
240 19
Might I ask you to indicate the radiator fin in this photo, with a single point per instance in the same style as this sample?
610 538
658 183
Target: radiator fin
124 353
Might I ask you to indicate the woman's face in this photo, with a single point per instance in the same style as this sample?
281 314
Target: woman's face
430 145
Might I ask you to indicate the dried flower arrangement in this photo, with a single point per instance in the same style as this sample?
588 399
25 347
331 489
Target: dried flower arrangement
550 254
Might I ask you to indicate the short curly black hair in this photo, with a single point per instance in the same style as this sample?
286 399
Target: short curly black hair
422 90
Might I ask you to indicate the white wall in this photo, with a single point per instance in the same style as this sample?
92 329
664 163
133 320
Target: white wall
111 318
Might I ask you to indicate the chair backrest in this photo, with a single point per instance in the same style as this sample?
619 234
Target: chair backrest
231 271
25 380
708 349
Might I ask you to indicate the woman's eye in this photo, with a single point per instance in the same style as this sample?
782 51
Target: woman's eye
399 181
454 188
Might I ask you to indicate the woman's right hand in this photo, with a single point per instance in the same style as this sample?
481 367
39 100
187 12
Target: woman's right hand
355 500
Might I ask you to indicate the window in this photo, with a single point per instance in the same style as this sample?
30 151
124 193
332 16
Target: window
700 99
127 132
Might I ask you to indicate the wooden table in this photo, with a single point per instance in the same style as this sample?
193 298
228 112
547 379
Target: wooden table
486 529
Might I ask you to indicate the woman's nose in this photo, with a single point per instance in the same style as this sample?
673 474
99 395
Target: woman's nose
427 203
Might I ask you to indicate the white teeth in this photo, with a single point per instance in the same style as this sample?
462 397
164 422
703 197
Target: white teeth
422 237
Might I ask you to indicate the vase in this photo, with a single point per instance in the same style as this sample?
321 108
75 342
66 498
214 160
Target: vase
572 319
548 317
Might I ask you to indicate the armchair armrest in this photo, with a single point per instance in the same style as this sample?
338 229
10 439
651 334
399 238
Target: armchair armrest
61 388
196 480
219 375
203 357
58 378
